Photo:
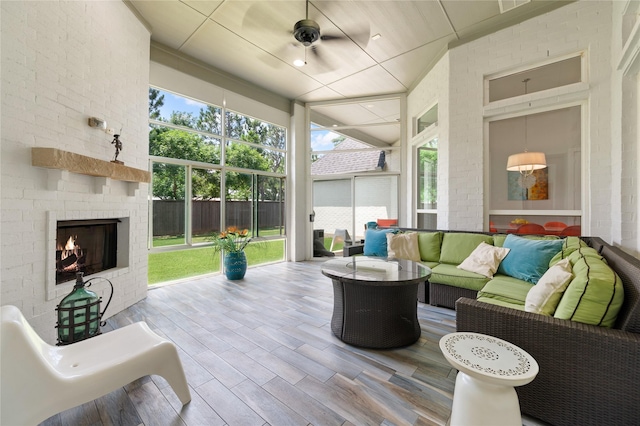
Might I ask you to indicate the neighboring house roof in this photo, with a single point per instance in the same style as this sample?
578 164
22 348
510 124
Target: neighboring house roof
343 162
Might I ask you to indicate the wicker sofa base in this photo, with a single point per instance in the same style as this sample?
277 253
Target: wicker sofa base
588 375
446 295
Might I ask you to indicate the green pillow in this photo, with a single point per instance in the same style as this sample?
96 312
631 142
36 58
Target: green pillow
595 294
528 259
457 246
429 245
498 239
569 245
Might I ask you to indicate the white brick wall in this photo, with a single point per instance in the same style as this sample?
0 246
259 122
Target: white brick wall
63 62
625 135
584 25
434 88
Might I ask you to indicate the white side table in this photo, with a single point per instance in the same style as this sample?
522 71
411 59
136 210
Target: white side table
488 369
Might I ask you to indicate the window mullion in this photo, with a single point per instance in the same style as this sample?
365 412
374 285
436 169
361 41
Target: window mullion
188 189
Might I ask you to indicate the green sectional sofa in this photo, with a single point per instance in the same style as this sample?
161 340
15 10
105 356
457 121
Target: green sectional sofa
587 345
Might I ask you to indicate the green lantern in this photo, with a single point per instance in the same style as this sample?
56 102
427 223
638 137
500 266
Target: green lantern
79 312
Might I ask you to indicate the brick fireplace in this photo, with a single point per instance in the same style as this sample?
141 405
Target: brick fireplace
85 231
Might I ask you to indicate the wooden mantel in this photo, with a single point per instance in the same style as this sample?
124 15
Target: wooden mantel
53 158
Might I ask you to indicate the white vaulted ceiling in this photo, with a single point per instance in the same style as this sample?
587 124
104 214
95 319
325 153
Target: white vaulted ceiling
253 40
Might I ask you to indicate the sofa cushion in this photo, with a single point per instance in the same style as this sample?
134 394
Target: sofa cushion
595 294
484 260
543 298
403 246
375 242
569 245
457 246
501 303
429 244
508 289
451 275
528 259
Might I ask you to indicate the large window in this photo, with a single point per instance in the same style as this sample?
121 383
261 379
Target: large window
212 169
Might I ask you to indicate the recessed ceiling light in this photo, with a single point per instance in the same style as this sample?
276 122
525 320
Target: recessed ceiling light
299 63
370 106
376 37
335 125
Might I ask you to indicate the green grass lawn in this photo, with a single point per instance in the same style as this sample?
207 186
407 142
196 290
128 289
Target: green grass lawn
174 265
174 240
186 263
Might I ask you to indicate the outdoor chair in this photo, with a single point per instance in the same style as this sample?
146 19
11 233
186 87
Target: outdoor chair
554 227
40 380
340 235
531 228
572 231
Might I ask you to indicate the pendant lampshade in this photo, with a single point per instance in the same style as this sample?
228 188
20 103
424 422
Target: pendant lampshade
526 162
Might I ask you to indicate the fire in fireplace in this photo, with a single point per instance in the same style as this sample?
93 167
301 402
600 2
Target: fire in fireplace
88 246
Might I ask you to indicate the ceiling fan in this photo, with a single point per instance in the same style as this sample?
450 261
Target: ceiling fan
306 33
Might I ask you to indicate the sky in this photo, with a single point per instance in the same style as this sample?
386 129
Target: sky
321 139
178 103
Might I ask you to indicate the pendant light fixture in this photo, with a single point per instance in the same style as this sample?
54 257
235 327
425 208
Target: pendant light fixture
526 162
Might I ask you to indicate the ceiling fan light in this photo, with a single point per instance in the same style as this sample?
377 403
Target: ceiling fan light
299 63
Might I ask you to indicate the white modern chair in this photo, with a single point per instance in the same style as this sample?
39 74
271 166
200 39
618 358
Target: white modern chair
340 235
40 380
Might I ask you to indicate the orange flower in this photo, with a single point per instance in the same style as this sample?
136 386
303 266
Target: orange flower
223 234
244 233
232 229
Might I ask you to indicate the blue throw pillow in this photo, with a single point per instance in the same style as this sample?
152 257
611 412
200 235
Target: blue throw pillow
528 259
375 242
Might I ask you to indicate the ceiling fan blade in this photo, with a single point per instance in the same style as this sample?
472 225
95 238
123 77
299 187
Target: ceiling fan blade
326 37
361 38
319 61
254 20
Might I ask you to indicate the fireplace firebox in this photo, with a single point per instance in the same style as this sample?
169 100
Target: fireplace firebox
88 246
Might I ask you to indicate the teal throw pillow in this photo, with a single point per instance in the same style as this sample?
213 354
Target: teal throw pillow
375 242
528 259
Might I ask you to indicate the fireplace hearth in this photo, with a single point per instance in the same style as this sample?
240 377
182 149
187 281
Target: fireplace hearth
88 246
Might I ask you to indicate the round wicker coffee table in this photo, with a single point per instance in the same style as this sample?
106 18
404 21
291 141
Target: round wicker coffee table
488 369
375 300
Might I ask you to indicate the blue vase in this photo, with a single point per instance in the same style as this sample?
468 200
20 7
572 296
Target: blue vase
235 265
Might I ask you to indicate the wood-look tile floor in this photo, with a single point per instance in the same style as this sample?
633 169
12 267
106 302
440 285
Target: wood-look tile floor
260 351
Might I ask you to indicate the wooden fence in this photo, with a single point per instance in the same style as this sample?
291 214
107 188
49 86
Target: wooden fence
168 216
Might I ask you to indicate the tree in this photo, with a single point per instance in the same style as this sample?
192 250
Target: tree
337 140
428 175
239 185
156 101
210 120
168 180
181 118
